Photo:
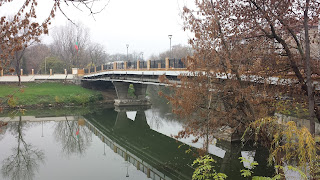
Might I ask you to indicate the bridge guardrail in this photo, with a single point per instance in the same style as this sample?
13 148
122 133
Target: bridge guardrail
143 65
98 68
22 72
176 63
132 64
120 65
163 64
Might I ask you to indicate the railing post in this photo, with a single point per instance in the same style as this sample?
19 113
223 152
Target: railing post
138 165
1 72
114 65
138 65
32 72
21 72
115 148
101 67
148 173
148 64
95 69
50 72
65 71
167 63
159 65
125 65
89 70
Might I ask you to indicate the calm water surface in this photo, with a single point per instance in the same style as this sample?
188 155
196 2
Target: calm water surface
108 143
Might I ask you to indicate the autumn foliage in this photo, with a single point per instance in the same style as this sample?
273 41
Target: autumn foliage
19 31
23 27
249 57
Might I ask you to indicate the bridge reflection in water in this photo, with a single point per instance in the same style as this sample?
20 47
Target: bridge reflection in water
153 153
158 155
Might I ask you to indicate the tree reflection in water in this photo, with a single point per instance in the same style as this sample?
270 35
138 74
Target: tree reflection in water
26 158
161 108
65 133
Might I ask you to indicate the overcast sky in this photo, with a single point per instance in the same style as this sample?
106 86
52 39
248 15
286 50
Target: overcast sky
143 24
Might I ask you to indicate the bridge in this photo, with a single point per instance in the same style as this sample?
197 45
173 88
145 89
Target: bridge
140 74
120 75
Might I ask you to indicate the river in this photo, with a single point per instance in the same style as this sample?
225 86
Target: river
104 142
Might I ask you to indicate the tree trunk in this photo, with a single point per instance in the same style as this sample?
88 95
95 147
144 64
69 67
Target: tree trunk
18 70
308 68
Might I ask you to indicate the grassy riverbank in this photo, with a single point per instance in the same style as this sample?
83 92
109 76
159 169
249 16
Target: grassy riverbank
46 94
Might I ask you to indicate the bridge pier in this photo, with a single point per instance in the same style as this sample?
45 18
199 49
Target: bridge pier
121 89
123 121
124 100
140 90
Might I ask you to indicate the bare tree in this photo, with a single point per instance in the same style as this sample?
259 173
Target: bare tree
178 51
65 38
65 133
25 160
35 56
134 56
97 54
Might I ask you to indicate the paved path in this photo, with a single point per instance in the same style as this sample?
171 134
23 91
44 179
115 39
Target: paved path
31 78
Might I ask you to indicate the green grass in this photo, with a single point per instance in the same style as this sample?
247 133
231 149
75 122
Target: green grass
131 91
47 93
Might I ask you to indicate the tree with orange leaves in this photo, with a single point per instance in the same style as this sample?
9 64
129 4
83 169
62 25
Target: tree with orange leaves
248 54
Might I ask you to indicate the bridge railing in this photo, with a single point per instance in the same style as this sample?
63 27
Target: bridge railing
120 65
92 69
143 65
107 66
22 72
158 64
132 65
98 68
164 64
176 63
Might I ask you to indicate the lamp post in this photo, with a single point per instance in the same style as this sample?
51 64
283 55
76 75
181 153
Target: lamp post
127 51
142 55
170 36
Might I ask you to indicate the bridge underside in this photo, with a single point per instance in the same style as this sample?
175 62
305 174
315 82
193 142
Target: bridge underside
123 98
121 89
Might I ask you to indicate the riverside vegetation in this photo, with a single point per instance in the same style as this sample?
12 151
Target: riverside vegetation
258 40
46 94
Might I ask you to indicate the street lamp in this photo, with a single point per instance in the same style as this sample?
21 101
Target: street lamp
170 36
127 51
142 56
